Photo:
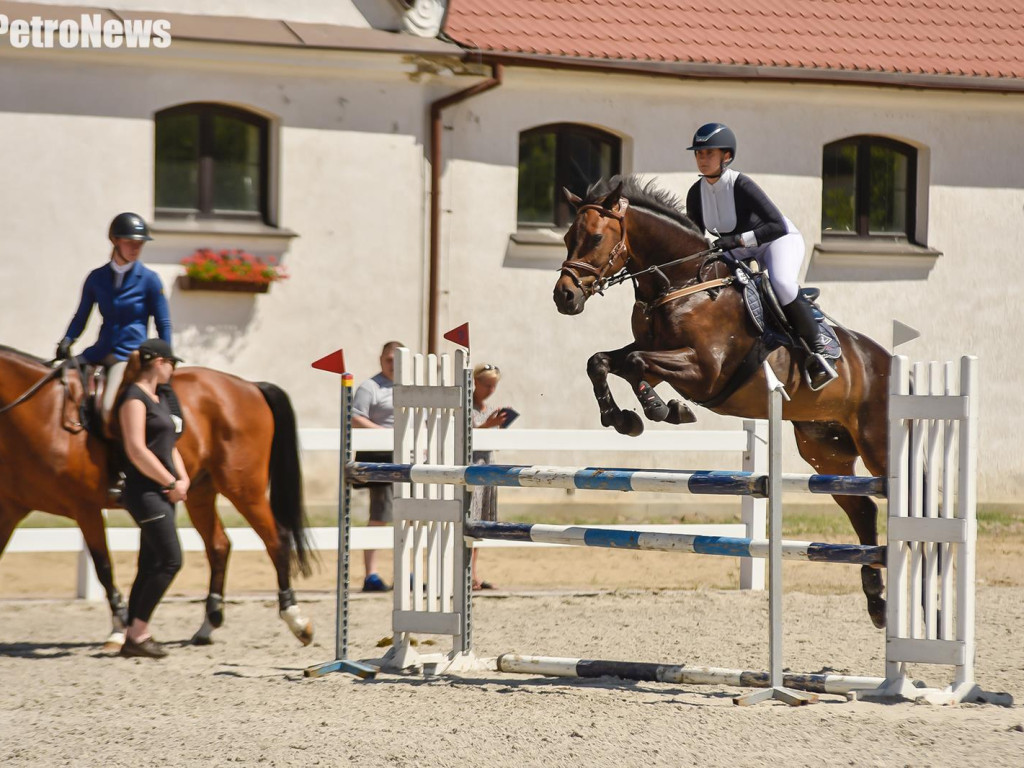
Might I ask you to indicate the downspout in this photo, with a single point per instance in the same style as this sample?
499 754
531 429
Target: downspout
433 298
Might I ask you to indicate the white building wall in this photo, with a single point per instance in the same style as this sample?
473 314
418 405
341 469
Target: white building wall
349 13
353 184
975 200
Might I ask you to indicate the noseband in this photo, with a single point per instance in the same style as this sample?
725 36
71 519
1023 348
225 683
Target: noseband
572 269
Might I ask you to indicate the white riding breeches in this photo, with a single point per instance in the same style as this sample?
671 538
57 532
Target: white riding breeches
782 259
115 375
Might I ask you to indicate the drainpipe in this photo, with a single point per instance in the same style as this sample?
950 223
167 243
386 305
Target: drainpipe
433 298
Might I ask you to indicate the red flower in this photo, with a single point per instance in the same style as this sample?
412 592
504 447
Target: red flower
232 265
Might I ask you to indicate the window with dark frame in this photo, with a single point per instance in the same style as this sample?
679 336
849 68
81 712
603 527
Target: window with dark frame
211 162
556 156
868 188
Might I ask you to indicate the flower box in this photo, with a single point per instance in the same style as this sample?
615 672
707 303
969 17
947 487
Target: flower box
187 283
229 270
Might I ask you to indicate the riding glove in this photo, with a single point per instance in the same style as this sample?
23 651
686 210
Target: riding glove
63 349
728 243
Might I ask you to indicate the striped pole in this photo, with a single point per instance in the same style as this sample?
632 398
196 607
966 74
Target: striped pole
725 546
609 479
341 662
520 664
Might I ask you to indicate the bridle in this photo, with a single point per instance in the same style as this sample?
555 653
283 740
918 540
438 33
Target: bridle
610 275
572 269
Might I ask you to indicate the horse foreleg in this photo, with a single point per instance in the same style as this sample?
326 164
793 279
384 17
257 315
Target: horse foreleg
201 504
680 368
830 449
598 368
90 522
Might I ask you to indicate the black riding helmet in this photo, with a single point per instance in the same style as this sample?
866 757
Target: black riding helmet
129 226
715 136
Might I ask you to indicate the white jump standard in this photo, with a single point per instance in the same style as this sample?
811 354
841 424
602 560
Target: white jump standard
929 557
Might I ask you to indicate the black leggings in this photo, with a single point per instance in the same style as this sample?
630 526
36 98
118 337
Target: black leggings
159 551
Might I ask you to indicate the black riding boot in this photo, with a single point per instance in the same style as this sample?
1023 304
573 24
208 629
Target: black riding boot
801 316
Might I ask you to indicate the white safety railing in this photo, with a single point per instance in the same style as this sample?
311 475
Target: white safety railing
750 441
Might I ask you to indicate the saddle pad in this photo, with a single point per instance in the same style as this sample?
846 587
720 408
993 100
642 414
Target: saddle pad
775 335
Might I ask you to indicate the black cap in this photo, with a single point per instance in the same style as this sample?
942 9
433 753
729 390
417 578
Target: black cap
151 349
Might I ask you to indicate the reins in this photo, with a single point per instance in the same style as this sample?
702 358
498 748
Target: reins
62 372
30 391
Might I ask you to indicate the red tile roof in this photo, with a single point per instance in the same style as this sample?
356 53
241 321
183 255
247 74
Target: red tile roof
943 39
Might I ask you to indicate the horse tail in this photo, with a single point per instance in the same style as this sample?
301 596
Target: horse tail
286 475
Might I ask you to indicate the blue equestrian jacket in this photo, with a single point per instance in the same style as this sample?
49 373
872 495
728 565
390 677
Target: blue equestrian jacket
125 311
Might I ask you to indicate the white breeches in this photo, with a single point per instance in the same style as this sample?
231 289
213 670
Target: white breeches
115 375
782 259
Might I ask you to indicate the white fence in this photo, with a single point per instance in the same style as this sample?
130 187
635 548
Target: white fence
751 441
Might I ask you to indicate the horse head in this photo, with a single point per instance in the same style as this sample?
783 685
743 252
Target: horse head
596 249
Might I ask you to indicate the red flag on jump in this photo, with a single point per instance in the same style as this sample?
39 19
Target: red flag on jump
332 363
459 335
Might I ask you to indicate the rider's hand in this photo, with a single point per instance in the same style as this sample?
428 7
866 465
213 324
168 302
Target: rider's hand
728 243
63 349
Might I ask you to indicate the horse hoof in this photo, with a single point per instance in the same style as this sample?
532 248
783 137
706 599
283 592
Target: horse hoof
201 639
680 413
610 418
630 424
113 643
306 635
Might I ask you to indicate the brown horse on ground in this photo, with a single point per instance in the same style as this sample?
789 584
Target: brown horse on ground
705 347
239 437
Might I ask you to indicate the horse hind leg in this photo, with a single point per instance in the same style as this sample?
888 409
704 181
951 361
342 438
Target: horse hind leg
831 450
255 507
624 422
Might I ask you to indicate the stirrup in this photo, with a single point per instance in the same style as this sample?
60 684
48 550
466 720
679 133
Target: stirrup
824 366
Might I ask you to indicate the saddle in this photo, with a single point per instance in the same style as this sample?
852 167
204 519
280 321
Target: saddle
765 312
94 381
94 384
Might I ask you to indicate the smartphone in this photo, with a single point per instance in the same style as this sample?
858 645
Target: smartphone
510 416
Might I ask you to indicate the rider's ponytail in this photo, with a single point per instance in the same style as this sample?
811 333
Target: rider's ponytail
131 375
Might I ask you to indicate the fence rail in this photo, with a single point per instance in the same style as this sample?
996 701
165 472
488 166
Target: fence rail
749 439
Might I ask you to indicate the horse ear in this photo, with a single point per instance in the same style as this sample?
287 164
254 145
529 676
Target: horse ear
613 199
572 199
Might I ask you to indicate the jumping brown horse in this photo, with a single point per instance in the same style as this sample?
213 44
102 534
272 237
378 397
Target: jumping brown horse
701 343
239 438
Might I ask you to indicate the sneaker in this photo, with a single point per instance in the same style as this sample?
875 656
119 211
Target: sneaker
374 583
148 648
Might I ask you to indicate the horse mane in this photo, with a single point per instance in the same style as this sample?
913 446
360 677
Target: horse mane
646 195
18 353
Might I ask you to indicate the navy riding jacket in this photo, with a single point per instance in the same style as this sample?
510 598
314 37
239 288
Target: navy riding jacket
125 311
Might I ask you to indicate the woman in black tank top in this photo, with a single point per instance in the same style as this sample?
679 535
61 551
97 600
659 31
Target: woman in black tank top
154 482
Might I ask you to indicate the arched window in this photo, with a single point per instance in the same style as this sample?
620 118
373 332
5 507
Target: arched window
556 156
211 162
868 188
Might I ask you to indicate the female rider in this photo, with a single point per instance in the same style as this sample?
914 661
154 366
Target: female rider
128 294
738 212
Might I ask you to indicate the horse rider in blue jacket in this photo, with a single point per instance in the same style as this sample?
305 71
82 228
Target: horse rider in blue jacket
128 293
